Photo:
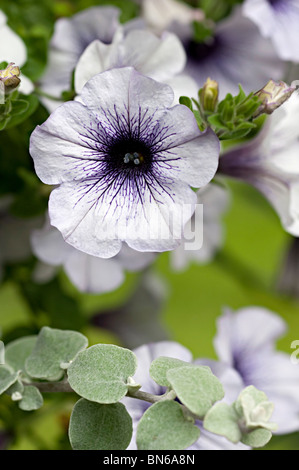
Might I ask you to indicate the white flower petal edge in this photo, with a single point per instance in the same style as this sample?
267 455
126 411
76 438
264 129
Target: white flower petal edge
161 58
71 37
105 198
280 22
87 273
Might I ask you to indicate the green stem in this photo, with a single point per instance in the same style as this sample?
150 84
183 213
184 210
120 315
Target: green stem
39 92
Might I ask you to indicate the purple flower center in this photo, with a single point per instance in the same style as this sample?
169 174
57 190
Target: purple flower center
129 154
200 52
279 5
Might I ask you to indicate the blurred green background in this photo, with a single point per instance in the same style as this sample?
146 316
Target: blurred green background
244 272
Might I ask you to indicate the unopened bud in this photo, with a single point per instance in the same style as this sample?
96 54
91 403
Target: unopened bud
272 96
209 95
9 77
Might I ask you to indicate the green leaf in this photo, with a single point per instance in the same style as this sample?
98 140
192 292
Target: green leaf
7 378
164 427
237 134
3 65
16 390
3 123
100 427
17 352
255 409
159 368
227 113
22 109
215 120
199 120
19 107
186 102
241 96
101 373
54 349
201 31
257 438
31 399
196 387
222 419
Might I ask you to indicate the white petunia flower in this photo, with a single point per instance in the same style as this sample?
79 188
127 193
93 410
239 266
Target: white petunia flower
87 273
161 58
13 50
71 37
246 340
270 163
125 162
279 21
203 232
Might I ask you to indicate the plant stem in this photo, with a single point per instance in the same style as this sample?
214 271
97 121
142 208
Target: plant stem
39 92
51 387
64 387
144 396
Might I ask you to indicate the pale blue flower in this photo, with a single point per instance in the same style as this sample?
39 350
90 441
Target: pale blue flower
246 341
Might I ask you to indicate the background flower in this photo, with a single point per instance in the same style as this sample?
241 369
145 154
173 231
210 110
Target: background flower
269 162
161 58
213 201
88 273
13 49
70 39
245 340
278 20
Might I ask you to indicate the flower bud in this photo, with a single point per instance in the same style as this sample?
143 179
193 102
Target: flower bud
273 95
9 77
255 409
209 95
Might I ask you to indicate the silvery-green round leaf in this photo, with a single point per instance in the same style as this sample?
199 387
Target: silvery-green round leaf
7 378
257 438
31 399
17 387
53 349
17 352
164 427
101 373
196 387
100 427
160 366
222 419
